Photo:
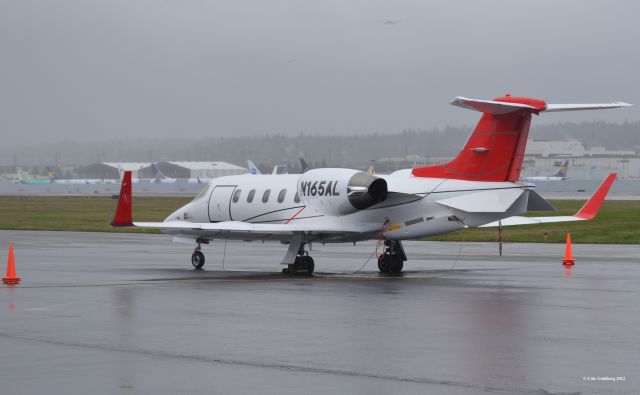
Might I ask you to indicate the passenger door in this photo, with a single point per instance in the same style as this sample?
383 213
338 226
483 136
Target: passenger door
220 202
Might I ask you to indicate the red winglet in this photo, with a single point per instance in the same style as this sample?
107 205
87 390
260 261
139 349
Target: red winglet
124 211
592 206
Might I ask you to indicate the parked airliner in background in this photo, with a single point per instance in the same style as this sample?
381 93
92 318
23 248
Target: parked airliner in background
25 178
479 187
304 165
159 177
277 169
281 169
253 169
561 175
56 179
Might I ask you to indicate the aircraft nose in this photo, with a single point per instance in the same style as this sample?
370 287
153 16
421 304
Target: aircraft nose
192 212
177 215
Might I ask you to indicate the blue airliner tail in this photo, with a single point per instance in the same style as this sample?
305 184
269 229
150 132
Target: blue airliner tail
253 169
157 173
305 165
563 170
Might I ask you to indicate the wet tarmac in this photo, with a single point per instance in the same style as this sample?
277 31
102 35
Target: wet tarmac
111 313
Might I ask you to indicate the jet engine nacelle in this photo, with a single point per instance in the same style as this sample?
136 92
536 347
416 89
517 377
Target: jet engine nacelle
340 191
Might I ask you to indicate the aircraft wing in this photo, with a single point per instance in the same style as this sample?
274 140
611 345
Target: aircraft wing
240 228
236 230
587 212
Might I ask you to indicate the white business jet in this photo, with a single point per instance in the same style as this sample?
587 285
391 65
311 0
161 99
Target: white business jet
479 187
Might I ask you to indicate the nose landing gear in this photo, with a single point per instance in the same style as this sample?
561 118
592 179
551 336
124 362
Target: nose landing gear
392 260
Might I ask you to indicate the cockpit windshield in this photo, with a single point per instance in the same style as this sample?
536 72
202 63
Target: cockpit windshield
202 193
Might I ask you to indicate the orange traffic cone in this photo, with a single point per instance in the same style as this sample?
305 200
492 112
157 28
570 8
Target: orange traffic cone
568 256
11 269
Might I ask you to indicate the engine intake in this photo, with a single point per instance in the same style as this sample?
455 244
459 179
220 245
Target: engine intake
365 190
340 191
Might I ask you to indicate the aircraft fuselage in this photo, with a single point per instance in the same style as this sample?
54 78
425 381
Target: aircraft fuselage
410 211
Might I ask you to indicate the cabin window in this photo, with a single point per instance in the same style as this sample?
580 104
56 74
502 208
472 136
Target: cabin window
296 198
251 195
281 195
265 196
236 195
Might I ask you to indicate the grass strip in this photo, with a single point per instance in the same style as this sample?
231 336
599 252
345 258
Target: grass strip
617 223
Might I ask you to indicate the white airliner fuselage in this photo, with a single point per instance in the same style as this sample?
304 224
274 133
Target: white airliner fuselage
542 178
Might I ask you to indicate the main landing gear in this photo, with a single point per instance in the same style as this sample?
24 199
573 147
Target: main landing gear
296 258
392 260
303 263
197 258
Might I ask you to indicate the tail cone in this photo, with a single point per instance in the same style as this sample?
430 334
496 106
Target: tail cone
568 256
11 277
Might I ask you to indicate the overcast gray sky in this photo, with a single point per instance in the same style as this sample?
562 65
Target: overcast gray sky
166 68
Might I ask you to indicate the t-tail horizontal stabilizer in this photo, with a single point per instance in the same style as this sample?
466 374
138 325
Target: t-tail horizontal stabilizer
495 149
587 212
496 107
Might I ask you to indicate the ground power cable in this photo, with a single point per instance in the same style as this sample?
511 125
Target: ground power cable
457 256
381 241
375 252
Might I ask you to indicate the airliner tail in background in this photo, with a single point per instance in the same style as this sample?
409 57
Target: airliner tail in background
253 169
561 175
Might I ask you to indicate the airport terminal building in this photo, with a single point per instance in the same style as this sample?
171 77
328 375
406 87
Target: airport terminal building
545 157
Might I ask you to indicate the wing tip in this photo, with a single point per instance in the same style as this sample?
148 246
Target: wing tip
124 211
592 206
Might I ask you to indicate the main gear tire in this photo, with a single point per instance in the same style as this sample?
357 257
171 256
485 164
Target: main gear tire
383 264
197 259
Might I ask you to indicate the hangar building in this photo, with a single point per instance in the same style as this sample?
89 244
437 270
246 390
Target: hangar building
111 170
200 169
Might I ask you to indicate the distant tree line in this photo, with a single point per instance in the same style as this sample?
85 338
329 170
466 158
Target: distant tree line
319 150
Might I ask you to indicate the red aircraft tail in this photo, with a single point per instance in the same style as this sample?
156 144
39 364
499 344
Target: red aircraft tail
495 149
